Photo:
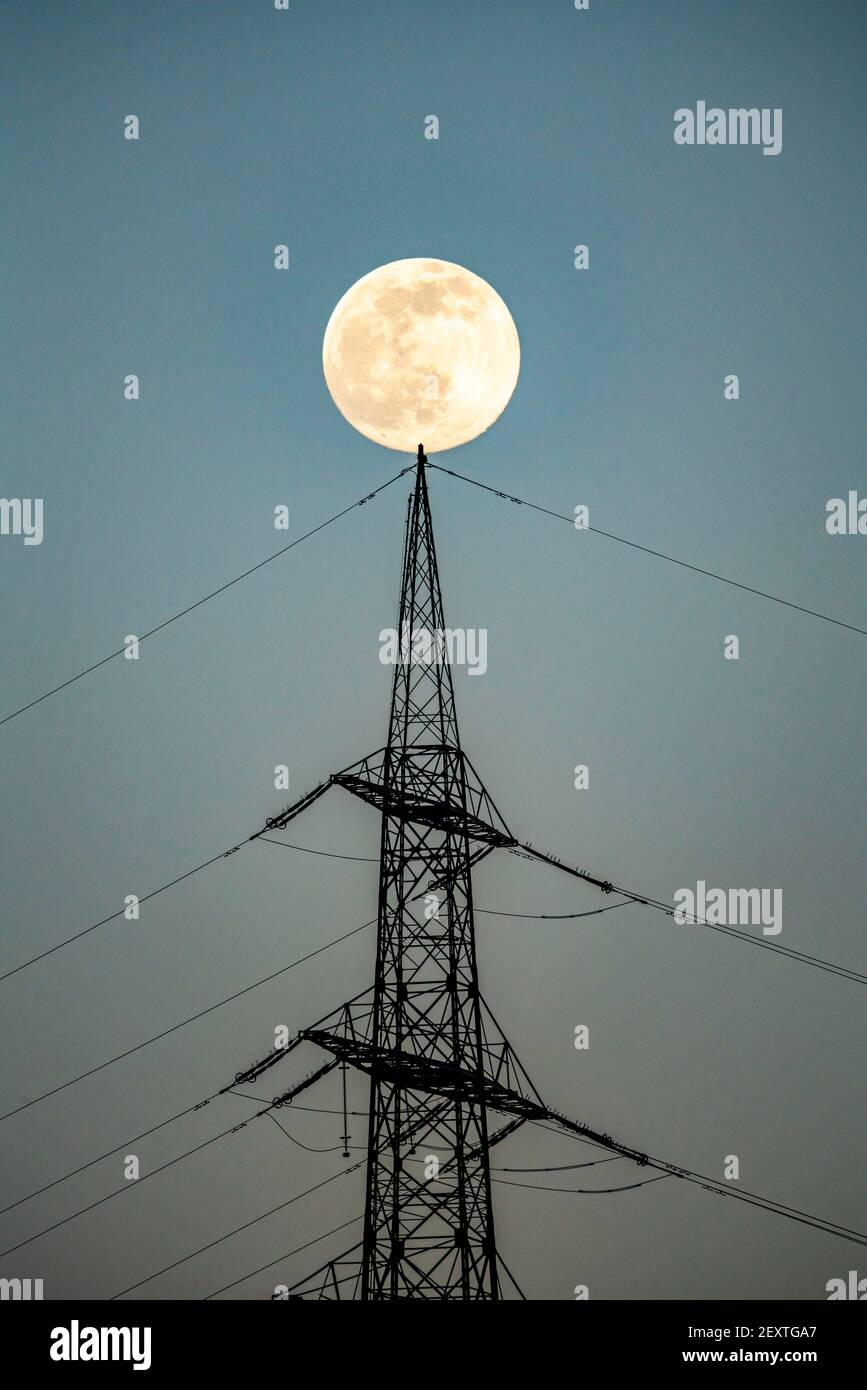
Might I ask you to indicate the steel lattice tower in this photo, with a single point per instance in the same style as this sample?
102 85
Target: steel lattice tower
437 1061
417 1241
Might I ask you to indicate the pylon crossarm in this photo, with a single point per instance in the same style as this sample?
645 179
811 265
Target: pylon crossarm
280 821
481 797
604 1141
328 1271
643 1160
347 1034
507 1130
555 863
508 1067
287 1097
421 800
277 1054
245 1078
415 1072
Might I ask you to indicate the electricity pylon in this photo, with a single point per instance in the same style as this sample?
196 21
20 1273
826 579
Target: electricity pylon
438 1064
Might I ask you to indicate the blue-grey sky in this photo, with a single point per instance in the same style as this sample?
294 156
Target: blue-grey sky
156 258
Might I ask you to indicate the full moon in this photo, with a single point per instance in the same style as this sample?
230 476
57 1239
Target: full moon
421 351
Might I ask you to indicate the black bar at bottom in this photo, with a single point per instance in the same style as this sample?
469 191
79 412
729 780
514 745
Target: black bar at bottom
66 1338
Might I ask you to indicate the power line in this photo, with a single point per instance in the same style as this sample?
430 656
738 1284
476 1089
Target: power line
213 594
740 935
127 1143
736 933
719 1189
206 864
120 912
562 1167
664 1169
280 1258
183 1023
723 1190
132 1185
555 916
584 1191
320 950
632 897
324 1109
769 1204
660 555
326 854
238 1229
689 1175
487 911
792 1213
353 1167
189 1109
802 956
108 1153
330 1150
308 1109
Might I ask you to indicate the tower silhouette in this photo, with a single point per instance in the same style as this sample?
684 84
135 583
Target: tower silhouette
439 1066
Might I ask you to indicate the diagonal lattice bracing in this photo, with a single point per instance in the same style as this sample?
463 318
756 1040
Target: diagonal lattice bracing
435 1065
428 1225
439 1066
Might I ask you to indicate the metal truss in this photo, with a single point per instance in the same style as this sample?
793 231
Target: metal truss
438 1063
